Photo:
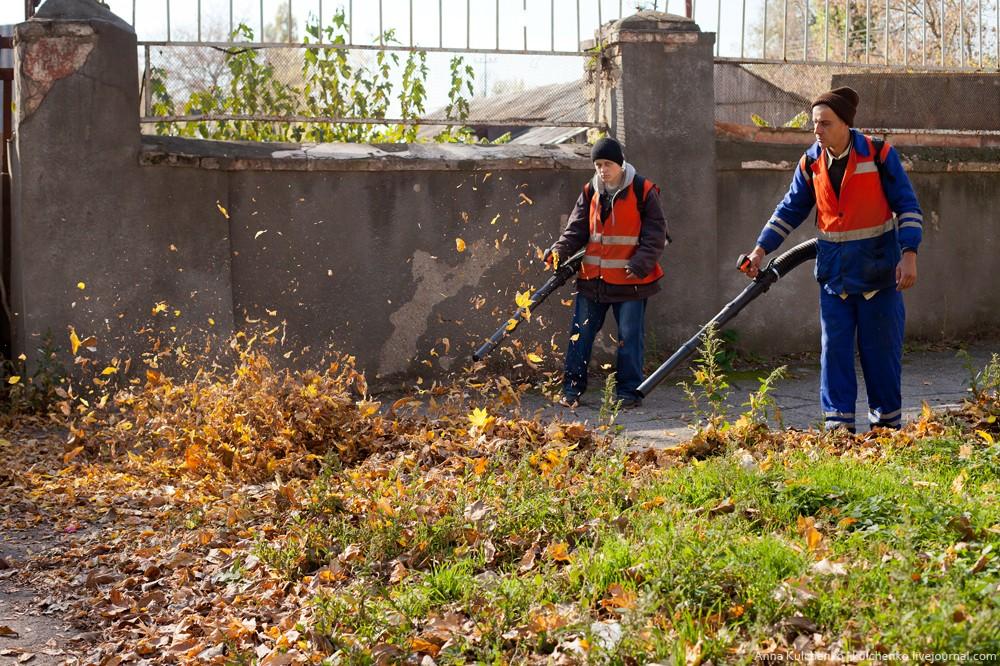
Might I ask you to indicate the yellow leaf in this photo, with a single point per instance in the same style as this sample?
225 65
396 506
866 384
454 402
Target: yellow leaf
13 379
110 370
495 218
81 285
160 307
211 322
813 538
74 341
558 552
511 324
22 357
574 337
987 437
534 358
480 418
460 245
225 213
523 300
480 467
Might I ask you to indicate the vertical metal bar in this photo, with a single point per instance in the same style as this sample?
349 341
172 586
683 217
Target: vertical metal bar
440 22
620 9
600 19
906 34
524 9
998 35
147 76
718 27
826 32
923 38
763 49
577 23
886 19
260 37
942 33
980 25
321 20
552 26
350 26
743 25
381 40
805 31
847 28
168 20
868 31
289 21
133 14
199 20
468 25
961 31
230 35
784 32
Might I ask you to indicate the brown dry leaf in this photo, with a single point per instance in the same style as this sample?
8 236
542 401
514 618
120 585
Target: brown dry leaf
528 559
419 644
69 455
619 599
7 632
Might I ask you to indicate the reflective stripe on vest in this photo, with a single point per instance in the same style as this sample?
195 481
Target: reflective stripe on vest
613 242
862 210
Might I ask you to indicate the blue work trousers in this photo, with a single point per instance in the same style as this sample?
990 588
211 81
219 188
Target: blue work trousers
588 317
875 325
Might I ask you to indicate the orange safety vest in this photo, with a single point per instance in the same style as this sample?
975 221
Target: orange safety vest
613 242
862 210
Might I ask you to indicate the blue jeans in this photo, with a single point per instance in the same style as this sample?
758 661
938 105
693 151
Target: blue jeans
873 327
588 317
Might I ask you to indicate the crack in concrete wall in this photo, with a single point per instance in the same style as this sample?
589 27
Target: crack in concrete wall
434 285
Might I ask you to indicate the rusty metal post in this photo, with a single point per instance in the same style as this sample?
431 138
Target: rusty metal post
6 220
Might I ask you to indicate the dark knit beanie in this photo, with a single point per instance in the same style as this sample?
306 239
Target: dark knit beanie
608 149
843 101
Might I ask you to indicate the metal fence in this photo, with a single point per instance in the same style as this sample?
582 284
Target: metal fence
524 60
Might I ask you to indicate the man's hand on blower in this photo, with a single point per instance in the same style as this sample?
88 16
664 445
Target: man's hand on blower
751 264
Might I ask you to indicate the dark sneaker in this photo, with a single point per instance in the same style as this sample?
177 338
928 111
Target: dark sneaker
630 403
570 401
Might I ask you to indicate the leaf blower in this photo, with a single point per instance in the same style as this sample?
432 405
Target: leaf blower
775 269
563 272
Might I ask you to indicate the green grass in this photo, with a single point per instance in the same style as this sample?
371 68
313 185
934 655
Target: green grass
920 571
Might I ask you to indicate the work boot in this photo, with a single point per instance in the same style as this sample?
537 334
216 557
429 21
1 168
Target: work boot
630 403
570 401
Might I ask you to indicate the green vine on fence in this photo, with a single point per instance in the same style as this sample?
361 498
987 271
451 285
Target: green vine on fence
332 85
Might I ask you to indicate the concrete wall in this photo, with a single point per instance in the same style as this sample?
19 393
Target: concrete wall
353 247
962 101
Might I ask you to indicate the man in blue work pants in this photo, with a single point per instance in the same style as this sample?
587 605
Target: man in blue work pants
869 228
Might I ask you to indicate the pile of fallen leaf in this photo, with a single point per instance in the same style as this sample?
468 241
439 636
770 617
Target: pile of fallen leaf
166 495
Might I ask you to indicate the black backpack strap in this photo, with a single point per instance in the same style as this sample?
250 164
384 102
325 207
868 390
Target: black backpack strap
885 176
639 190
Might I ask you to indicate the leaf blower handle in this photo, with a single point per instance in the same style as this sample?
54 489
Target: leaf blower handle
743 263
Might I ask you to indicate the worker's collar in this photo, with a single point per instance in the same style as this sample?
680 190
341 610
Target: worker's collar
830 157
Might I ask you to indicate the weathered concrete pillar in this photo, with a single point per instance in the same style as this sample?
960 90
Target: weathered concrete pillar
656 87
97 240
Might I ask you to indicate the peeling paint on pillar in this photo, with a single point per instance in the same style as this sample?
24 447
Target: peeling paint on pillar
62 52
433 286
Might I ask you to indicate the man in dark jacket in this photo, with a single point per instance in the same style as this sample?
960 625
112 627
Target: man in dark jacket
618 219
